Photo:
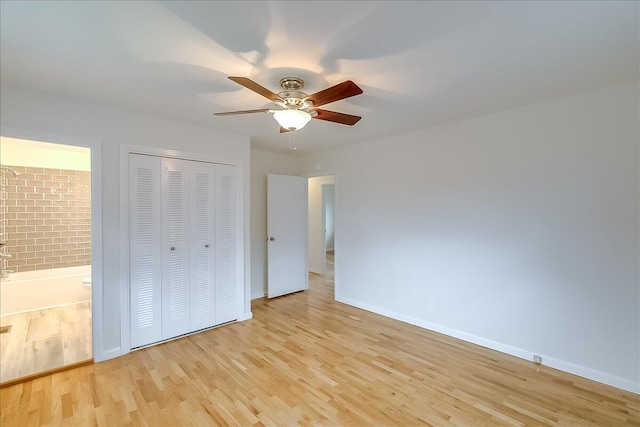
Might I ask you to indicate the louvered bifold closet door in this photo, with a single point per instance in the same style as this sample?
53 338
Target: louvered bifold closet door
175 248
226 296
144 250
202 254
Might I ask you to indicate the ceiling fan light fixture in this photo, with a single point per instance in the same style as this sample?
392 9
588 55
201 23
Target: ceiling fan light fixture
292 119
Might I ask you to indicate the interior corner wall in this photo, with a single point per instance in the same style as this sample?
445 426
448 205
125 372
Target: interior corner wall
263 163
46 113
520 227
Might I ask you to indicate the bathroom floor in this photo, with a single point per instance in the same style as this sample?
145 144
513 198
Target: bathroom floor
44 339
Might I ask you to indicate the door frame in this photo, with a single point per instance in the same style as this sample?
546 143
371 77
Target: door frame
95 147
330 172
125 150
324 222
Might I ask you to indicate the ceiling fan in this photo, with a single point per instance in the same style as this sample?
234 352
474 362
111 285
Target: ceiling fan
295 108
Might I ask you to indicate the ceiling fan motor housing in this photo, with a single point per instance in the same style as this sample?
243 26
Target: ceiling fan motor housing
292 97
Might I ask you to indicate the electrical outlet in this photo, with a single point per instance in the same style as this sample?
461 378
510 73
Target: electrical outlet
537 359
432 304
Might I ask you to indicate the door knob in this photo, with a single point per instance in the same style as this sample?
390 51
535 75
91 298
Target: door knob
206 245
173 248
272 238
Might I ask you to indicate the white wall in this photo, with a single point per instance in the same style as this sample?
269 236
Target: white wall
521 227
263 163
39 112
317 254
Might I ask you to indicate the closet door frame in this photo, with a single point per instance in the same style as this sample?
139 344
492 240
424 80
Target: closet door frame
243 299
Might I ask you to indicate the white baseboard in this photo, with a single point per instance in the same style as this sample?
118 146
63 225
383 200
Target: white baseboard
256 296
582 371
245 316
112 353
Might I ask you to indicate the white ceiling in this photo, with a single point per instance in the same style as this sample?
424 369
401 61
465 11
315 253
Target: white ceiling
419 63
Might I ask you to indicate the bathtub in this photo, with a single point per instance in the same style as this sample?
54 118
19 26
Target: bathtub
36 290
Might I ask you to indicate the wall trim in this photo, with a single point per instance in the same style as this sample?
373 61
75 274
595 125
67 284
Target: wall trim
95 145
258 296
112 353
245 316
562 365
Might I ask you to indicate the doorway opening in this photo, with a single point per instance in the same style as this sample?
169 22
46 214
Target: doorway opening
45 255
321 224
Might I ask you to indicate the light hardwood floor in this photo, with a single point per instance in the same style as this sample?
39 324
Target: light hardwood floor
307 360
45 339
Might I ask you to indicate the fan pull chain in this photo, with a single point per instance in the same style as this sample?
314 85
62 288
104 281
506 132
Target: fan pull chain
292 140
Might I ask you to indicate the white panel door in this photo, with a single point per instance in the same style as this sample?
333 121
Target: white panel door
202 253
226 213
287 234
175 248
145 250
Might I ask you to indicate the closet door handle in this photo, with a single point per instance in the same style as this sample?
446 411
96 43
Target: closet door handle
172 248
206 245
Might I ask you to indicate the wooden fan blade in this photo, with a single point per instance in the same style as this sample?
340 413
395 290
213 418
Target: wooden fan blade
250 84
335 93
283 130
332 116
232 113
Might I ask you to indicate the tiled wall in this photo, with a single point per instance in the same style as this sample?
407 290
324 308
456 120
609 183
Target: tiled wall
47 218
